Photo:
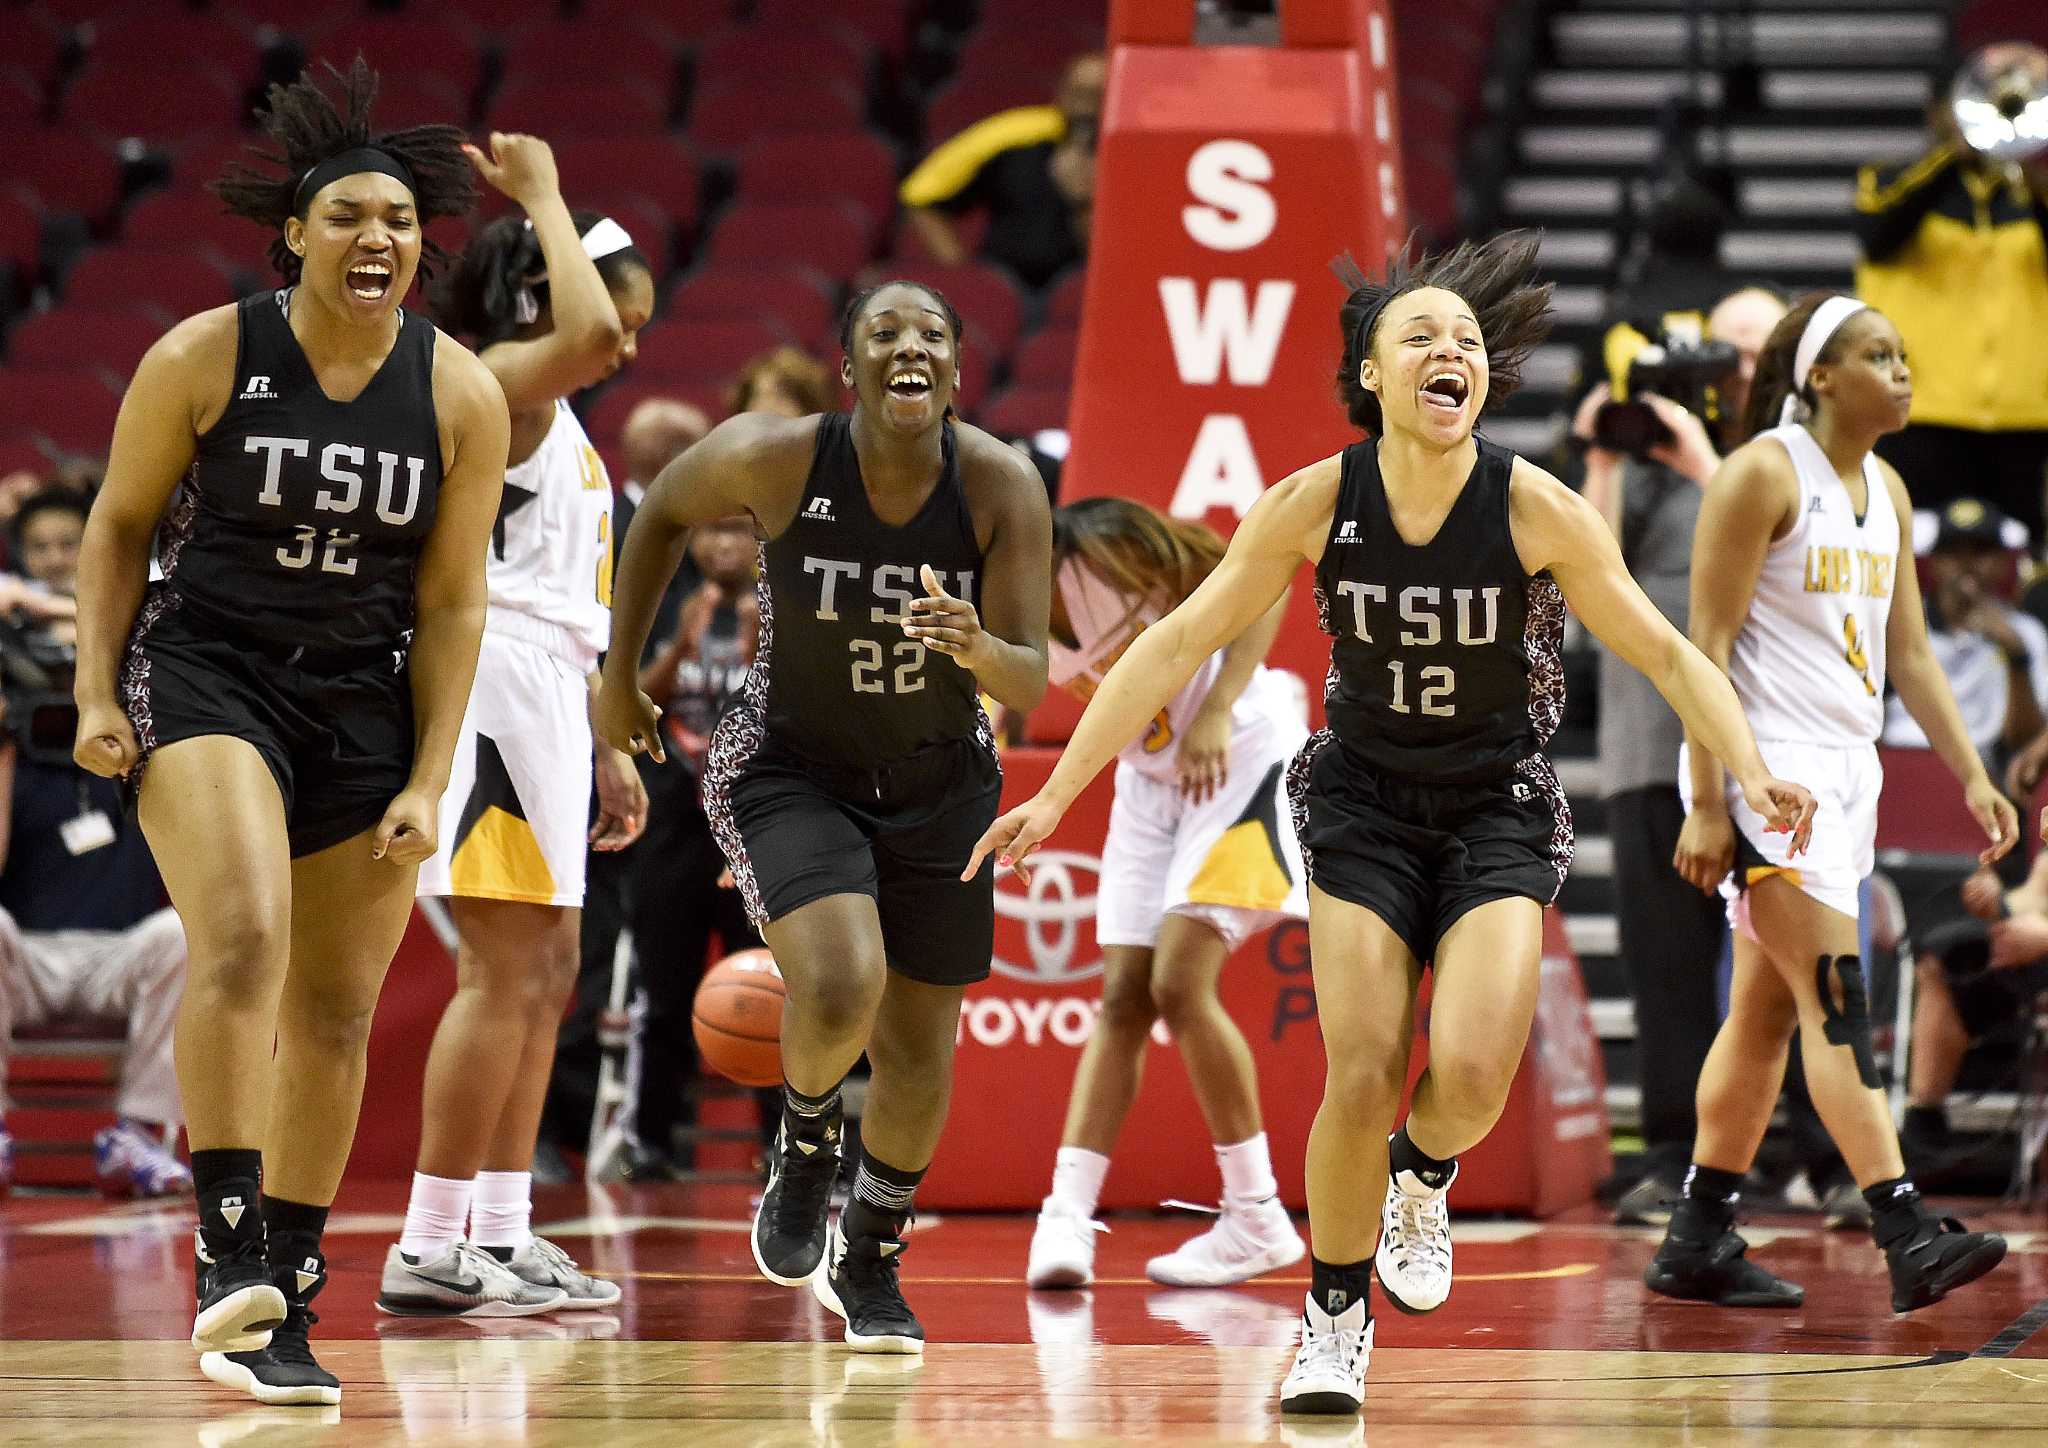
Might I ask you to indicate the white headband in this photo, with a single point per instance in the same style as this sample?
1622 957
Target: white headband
1827 320
603 238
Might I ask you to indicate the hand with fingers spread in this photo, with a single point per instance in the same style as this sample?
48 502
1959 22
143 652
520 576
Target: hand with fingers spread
944 623
626 719
519 166
1013 836
1995 814
621 801
1205 754
408 833
1787 808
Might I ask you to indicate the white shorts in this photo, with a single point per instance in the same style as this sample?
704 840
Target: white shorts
1845 782
1230 861
515 820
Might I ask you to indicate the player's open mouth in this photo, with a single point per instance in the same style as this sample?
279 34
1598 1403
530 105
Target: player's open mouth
1445 390
370 279
910 385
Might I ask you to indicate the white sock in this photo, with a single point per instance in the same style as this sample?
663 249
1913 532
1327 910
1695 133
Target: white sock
1247 1171
503 1213
434 1216
1077 1175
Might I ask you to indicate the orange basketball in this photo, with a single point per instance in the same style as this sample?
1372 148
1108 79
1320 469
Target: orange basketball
737 1018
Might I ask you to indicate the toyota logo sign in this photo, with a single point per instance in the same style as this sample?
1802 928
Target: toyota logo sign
1051 907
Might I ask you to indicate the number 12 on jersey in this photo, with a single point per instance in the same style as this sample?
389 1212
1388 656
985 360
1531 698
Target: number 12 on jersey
1437 681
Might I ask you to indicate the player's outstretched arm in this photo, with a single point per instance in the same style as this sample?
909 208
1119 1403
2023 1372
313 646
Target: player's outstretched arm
1924 689
1557 530
755 464
178 391
1285 526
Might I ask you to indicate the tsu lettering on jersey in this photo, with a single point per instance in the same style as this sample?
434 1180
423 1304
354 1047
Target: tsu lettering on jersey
339 487
887 660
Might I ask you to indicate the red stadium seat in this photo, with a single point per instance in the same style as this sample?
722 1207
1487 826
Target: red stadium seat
907 246
682 20
645 221
417 43
817 51
1024 43
1022 411
73 407
660 167
707 350
21 232
883 24
22 103
181 280
113 338
117 101
812 166
959 106
607 416
1046 358
185 216
157 37
551 108
731 110
30 42
500 16
577 50
797 298
66 171
988 301
833 236
417 98
1063 297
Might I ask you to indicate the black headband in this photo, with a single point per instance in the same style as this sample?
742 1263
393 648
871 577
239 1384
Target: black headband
352 162
1362 338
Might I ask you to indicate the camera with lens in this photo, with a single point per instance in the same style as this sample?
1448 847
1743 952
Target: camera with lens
1679 364
36 674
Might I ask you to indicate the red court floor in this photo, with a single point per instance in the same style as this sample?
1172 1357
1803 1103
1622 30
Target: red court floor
1548 1338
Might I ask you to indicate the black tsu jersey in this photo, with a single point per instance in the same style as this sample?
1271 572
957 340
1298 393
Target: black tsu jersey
1445 666
302 519
835 679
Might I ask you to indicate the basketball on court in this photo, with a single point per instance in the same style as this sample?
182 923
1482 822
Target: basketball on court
737 1018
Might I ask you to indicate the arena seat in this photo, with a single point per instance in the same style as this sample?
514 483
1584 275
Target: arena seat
1046 357
73 407
416 44
22 103
578 50
500 16
144 39
1063 297
708 349
410 98
645 220
808 166
883 24
821 51
833 236
67 172
607 416
30 43
987 298
798 298
659 166
183 216
731 110
64 337
962 103
682 19
21 233
182 280
551 108
120 102
1019 411
906 242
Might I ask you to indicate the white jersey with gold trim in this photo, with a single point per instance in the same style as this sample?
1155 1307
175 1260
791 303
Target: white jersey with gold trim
551 551
1808 664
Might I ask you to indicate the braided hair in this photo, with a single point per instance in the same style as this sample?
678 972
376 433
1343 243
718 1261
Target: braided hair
307 126
479 297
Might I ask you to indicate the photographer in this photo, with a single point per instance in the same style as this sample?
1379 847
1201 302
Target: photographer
1671 935
83 927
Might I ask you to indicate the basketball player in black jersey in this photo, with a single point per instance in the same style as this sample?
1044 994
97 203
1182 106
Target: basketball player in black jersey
906 563
284 702
1433 827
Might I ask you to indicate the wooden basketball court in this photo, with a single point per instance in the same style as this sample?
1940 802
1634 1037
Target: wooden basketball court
1548 1339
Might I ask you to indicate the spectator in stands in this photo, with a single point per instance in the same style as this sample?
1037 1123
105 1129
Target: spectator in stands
788 381
1975 975
1995 656
1954 252
656 430
83 925
1032 169
1671 935
682 894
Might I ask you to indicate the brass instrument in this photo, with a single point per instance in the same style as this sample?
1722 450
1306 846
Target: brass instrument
2000 101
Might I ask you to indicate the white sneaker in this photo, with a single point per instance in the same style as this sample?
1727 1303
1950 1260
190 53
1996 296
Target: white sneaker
1062 1248
543 1264
1414 1256
1247 1239
464 1281
1328 1375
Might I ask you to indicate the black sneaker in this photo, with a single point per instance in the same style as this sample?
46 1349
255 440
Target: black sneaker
859 1283
1696 1263
789 1225
1931 1258
285 1373
238 1302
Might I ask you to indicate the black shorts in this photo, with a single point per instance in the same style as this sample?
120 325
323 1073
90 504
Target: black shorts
337 732
1985 997
1421 855
795 831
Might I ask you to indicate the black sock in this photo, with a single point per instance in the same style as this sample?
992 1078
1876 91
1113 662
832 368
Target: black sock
1404 1155
811 1118
881 1202
228 1182
1334 1286
1930 1122
1897 1197
295 1229
1713 1193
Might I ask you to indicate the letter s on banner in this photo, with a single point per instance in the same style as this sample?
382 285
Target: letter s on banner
1240 213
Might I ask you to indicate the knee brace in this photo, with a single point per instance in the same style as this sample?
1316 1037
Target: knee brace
1849 1023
